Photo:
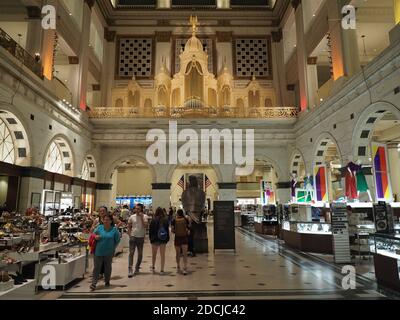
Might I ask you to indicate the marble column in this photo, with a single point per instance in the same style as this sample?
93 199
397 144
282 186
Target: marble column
108 69
163 4
301 54
227 191
80 99
34 35
345 55
104 195
283 192
161 195
279 72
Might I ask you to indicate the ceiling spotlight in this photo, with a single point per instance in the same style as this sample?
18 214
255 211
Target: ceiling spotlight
321 99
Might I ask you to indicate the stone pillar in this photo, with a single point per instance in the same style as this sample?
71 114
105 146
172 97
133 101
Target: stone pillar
28 186
35 31
279 72
283 192
227 191
84 55
163 4
312 79
104 195
108 69
345 56
161 195
223 4
301 54
47 52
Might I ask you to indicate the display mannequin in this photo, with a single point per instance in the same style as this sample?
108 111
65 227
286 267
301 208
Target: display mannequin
351 187
362 185
293 184
309 186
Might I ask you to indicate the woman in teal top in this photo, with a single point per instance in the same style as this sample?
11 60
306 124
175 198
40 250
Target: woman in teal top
107 240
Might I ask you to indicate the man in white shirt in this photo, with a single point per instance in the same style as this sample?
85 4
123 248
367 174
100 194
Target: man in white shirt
125 213
137 224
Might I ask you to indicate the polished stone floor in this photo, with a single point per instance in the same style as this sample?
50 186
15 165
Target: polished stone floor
261 268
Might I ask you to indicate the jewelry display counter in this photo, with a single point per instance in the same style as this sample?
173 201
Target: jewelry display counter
308 236
386 251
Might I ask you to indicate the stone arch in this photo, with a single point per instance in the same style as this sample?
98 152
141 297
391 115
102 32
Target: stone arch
362 133
321 146
21 144
176 166
115 163
275 165
67 155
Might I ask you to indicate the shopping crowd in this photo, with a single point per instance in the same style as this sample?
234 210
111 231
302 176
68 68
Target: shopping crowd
105 237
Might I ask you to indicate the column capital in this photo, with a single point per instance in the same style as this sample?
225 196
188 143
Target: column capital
277 35
161 186
227 185
90 3
109 35
283 185
104 186
312 60
295 4
163 36
34 12
223 36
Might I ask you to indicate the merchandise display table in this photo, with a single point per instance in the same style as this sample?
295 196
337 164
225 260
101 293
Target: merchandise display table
308 236
65 272
268 227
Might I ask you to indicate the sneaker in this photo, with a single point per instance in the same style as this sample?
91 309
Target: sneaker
107 284
162 273
130 273
92 287
136 272
184 272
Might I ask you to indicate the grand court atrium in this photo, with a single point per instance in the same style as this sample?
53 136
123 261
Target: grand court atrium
285 113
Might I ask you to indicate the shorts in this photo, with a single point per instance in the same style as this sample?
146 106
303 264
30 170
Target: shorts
181 241
158 243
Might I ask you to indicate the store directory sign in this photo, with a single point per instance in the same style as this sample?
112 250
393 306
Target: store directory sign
340 233
224 225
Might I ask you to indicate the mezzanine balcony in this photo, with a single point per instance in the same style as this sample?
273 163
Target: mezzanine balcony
289 113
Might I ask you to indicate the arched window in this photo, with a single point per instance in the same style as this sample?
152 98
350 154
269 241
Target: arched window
54 162
85 170
7 149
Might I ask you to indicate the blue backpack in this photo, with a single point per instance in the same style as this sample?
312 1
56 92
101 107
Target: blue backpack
162 232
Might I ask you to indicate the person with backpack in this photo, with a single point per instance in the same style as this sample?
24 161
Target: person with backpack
159 237
181 229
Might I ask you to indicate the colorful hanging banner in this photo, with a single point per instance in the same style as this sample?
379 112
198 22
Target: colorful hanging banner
321 184
267 195
383 189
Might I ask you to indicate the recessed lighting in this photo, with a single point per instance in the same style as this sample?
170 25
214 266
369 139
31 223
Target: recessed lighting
321 99
313 15
70 14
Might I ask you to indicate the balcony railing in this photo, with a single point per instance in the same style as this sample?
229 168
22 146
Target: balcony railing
206 112
20 53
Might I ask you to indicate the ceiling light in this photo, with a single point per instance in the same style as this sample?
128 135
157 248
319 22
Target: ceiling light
321 99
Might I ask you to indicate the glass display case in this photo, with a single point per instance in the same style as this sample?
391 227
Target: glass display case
386 245
307 227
